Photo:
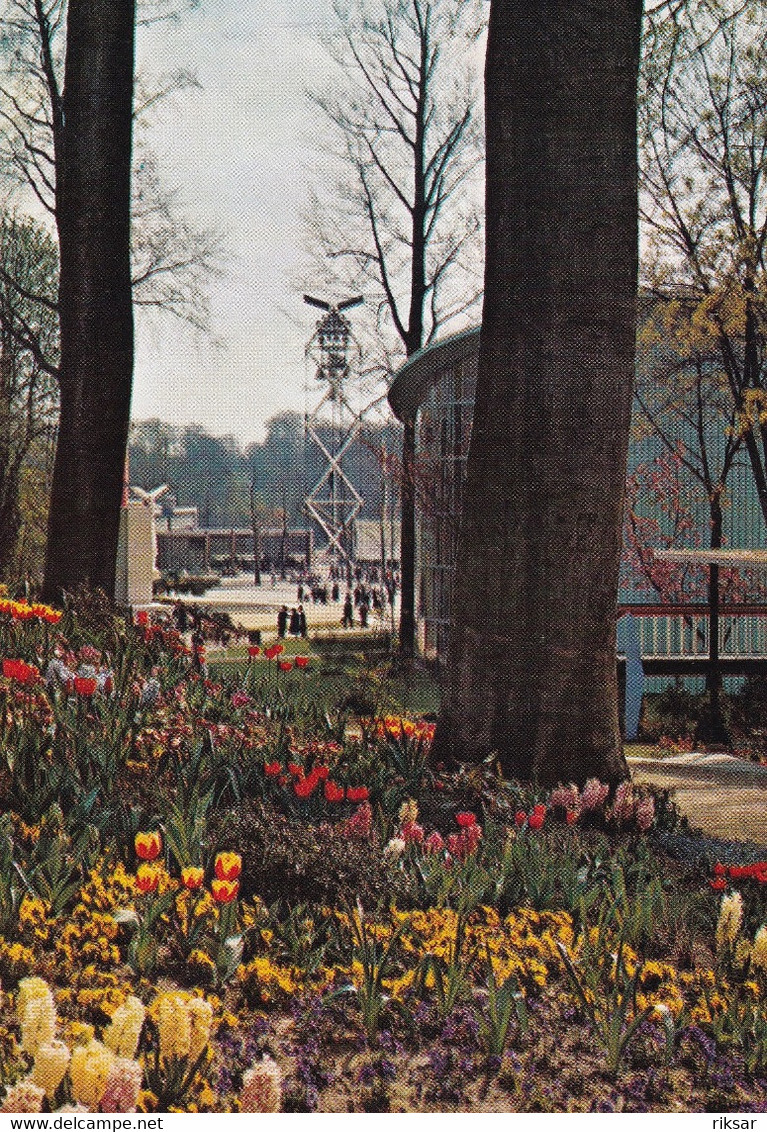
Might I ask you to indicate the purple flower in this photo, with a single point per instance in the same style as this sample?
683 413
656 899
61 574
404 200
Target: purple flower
386 1070
366 1075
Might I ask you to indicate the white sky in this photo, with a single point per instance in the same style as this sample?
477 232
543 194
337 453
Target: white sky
235 150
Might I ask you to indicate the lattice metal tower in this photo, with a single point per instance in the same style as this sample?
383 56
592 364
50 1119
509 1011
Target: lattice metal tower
333 424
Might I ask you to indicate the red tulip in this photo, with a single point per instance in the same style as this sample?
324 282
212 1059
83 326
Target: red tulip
302 661
466 819
192 878
520 818
333 792
272 769
21 671
148 846
253 650
357 793
228 866
224 891
286 665
304 787
147 878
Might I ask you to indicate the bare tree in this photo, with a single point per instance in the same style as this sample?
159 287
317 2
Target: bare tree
400 222
172 260
28 385
703 109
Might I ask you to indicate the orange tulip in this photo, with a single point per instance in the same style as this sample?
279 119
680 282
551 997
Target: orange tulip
147 878
192 877
228 866
224 891
148 846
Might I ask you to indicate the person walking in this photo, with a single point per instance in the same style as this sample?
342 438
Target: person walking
282 621
294 627
301 621
364 610
180 616
348 618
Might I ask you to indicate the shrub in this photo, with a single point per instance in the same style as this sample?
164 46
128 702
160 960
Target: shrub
300 863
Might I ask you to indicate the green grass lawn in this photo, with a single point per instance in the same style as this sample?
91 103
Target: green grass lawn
358 666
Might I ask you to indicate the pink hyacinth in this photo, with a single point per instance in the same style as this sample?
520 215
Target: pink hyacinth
472 836
435 843
240 699
624 806
645 813
412 833
594 795
123 1086
360 824
462 845
262 1087
565 797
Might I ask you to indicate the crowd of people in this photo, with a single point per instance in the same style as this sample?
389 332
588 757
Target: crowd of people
368 590
293 623
362 592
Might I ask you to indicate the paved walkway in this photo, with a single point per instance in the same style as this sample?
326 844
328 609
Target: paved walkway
722 795
255 607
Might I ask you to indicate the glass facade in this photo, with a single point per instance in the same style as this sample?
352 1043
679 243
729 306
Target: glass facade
443 431
438 386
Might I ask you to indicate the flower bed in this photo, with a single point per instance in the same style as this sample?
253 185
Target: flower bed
216 895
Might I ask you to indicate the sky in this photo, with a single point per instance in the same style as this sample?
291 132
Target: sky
236 151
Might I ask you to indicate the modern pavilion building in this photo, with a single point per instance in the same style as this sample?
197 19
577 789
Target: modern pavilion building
437 387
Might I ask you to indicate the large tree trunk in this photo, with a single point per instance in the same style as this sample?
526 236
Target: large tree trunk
407 546
532 657
413 342
10 524
93 218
